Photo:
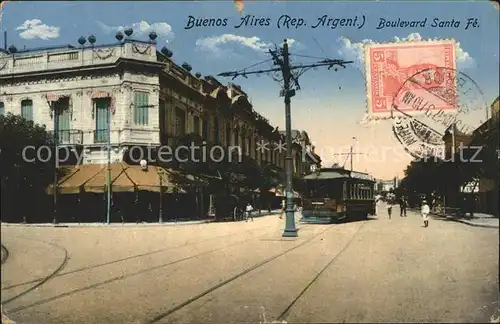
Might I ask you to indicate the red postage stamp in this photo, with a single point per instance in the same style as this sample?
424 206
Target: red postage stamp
426 68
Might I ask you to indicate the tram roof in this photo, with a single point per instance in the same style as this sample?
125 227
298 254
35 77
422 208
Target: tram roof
334 173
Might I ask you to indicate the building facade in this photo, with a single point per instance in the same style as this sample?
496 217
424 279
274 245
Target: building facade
151 101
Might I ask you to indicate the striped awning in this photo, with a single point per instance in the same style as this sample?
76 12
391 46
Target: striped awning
56 96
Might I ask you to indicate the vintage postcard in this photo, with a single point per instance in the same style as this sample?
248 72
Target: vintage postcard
249 161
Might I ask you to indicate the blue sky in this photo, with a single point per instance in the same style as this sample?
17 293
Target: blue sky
330 104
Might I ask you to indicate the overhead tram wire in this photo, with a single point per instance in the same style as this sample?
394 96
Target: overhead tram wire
290 75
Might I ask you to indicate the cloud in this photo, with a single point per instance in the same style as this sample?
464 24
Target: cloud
142 29
216 44
354 51
34 28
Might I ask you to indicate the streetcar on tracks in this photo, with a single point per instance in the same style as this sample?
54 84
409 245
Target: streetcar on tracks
334 194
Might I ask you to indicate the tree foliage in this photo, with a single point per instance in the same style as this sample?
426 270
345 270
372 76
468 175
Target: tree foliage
236 170
24 175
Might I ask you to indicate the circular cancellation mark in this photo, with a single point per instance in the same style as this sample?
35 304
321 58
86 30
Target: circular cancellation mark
429 102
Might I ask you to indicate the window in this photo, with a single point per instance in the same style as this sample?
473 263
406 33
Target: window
180 122
101 120
244 145
204 133
216 130
236 137
163 115
2 109
228 135
27 109
141 108
196 125
63 120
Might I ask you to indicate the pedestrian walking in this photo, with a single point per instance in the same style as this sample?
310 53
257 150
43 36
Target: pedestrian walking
283 207
402 206
248 213
390 203
425 210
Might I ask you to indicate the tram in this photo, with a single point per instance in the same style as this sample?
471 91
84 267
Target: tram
334 194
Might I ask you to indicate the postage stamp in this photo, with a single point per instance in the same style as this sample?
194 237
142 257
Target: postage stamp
391 66
421 132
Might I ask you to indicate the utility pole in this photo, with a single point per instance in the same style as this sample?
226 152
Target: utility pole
349 155
282 59
108 175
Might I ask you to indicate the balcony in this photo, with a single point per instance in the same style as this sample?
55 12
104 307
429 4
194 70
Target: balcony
68 137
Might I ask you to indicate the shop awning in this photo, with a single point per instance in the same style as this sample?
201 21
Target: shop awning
74 178
124 178
98 182
149 179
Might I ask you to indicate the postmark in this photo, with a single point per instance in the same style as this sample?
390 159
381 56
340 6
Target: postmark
427 95
389 66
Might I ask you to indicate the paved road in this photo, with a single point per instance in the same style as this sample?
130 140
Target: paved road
378 270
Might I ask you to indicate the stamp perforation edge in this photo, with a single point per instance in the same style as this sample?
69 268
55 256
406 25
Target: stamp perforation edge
369 116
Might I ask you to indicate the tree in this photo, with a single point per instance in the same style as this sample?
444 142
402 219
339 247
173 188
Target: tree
25 176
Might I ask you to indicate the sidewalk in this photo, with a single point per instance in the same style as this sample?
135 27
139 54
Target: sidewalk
479 219
141 224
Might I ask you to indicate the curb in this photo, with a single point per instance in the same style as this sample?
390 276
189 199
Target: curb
66 225
121 225
466 222
471 224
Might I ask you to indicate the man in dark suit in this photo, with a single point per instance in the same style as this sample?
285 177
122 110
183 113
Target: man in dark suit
402 206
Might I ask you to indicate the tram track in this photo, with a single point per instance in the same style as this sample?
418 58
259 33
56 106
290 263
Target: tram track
117 278
282 317
129 258
45 279
233 278
5 254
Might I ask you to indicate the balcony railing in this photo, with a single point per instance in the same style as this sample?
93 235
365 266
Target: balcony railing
69 137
